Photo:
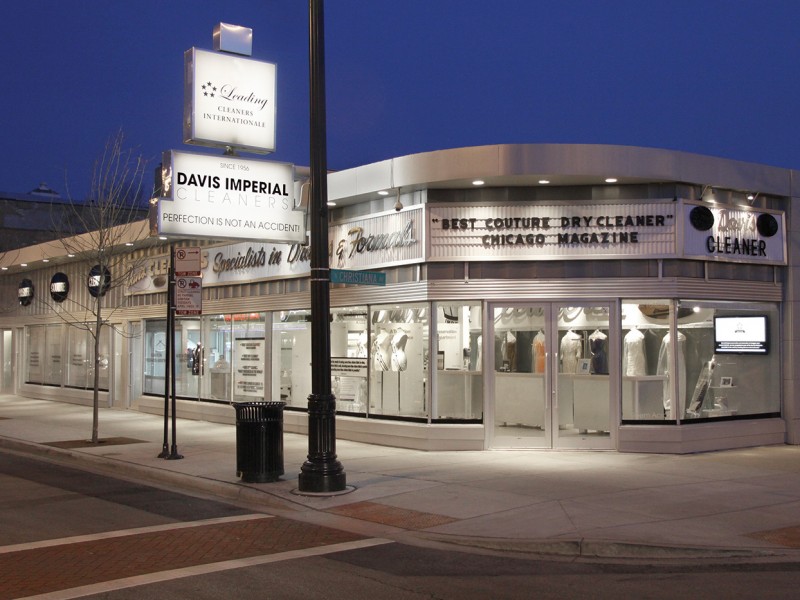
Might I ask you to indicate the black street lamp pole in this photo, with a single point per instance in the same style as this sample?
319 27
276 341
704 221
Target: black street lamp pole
322 472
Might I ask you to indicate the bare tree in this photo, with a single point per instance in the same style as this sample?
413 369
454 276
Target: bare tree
96 232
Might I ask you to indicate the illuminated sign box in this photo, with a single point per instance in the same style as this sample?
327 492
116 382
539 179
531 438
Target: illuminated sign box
229 101
741 334
221 197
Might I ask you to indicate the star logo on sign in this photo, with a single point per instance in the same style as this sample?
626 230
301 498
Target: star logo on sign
208 89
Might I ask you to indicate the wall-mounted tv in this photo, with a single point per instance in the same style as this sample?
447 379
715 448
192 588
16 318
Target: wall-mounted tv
744 334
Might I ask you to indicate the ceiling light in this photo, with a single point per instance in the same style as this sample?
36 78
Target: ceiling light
70 256
611 180
544 181
3 268
478 182
129 243
383 193
161 237
331 203
23 264
45 260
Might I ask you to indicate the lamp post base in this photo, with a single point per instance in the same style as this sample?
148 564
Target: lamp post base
322 472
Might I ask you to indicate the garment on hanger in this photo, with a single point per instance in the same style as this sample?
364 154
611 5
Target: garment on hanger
571 349
538 352
634 361
663 369
598 346
511 351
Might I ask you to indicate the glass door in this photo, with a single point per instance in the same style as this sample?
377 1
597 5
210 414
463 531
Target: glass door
584 355
551 382
521 376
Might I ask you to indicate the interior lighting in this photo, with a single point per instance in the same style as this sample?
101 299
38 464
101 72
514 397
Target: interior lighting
544 181
478 182
611 180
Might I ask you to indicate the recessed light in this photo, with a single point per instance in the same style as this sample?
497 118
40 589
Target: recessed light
23 264
331 203
129 243
383 193
611 180
544 181
3 268
478 182
45 260
70 256
161 237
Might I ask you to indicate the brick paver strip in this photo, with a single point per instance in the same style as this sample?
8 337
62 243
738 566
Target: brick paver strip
42 570
391 515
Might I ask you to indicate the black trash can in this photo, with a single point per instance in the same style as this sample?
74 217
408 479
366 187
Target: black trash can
259 441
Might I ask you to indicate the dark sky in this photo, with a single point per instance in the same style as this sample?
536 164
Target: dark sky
715 77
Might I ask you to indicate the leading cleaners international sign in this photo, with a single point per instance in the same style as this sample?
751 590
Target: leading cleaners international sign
229 101
221 197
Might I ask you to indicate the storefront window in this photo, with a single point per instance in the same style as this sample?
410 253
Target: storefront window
44 364
732 359
218 357
155 356
399 360
726 362
349 358
80 368
459 359
53 362
647 362
291 357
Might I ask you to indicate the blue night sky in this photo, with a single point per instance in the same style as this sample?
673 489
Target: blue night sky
715 77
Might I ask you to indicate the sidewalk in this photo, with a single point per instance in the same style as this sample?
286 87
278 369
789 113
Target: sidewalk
739 504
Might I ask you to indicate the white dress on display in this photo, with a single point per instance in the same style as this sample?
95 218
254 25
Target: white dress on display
663 369
634 361
571 351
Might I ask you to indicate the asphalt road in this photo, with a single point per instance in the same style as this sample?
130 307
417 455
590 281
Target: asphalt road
70 533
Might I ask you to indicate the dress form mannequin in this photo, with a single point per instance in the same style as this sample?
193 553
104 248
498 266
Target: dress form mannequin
399 359
381 351
538 352
634 363
597 346
571 351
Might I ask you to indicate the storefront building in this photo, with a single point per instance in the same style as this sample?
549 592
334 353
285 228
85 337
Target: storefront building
512 296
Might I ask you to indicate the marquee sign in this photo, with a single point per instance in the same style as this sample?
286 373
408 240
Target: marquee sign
568 230
229 101
222 197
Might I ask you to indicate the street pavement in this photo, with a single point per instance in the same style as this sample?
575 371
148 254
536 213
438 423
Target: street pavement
737 505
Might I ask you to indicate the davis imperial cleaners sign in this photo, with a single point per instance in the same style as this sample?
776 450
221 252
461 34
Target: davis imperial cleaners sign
219 197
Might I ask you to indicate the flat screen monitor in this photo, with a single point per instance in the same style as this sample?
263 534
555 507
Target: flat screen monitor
745 334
